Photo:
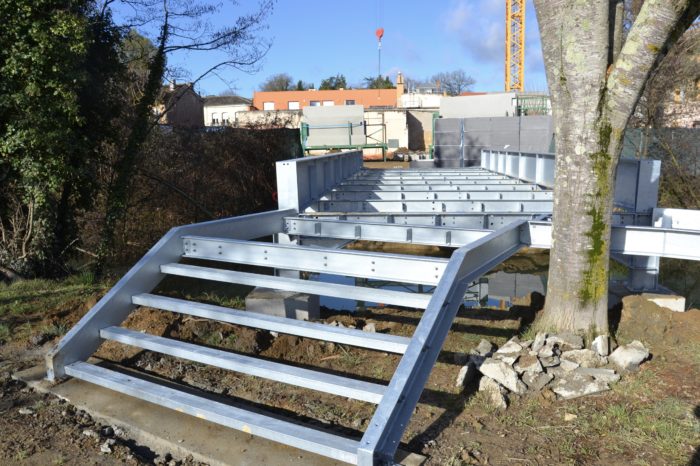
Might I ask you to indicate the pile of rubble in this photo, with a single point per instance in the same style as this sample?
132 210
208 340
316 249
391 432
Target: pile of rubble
559 363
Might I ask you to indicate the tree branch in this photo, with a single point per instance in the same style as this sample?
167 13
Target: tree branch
658 26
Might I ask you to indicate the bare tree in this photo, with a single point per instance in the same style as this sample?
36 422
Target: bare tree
453 82
278 82
185 27
593 96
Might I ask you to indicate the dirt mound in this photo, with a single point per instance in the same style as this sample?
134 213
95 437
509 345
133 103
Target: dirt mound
657 327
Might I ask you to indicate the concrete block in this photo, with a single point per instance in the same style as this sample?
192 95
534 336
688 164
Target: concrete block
671 302
283 304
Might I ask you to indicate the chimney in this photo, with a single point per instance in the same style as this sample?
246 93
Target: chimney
399 85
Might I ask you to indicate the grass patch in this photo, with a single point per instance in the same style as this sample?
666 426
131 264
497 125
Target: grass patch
668 425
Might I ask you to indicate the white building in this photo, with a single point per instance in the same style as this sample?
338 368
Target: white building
222 110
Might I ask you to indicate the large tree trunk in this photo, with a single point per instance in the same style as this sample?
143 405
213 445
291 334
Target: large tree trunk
594 89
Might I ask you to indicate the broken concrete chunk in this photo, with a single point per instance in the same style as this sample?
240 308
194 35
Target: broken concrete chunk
466 375
604 375
370 327
601 345
566 341
536 382
508 358
494 392
584 357
547 351
503 374
573 385
510 347
526 344
484 348
550 361
567 365
527 363
629 357
539 342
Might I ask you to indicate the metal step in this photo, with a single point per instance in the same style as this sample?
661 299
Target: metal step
358 293
301 328
315 380
377 231
288 433
374 205
363 264
491 195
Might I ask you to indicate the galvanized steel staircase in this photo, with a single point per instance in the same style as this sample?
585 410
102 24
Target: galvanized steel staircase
340 196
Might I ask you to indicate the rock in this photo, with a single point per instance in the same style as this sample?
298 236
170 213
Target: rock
536 382
508 358
539 342
466 374
601 345
526 344
550 361
370 327
26 411
629 357
510 346
584 357
494 392
566 341
39 339
547 351
527 363
107 431
604 375
567 365
484 348
503 374
573 385
643 320
89 433
569 417
107 446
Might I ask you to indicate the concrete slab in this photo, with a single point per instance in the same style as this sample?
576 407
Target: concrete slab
283 304
667 301
167 431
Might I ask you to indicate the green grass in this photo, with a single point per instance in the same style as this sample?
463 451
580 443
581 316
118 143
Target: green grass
24 303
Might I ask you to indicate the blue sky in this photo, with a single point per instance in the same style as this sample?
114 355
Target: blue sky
314 39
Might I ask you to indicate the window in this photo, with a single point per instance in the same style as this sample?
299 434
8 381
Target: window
268 105
315 103
350 102
293 105
224 118
214 118
328 103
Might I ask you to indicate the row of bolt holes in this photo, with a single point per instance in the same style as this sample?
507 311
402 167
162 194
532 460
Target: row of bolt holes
325 258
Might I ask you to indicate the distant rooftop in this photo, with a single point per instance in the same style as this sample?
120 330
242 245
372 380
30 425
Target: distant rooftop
214 100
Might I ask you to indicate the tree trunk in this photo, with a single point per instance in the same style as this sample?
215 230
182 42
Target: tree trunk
592 99
125 167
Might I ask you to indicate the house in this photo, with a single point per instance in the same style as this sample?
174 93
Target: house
296 100
180 106
223 110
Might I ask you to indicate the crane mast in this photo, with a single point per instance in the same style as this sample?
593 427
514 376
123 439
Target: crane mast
515 45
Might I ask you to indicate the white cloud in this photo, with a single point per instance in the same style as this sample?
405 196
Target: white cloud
478 26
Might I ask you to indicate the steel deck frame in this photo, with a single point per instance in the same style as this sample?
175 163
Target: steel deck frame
486 213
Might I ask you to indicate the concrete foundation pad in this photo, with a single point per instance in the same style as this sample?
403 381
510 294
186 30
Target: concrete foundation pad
671 302
167 431
283 304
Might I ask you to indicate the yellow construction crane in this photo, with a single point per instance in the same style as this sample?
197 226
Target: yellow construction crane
515 45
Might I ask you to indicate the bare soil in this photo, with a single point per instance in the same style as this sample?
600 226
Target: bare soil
650 417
